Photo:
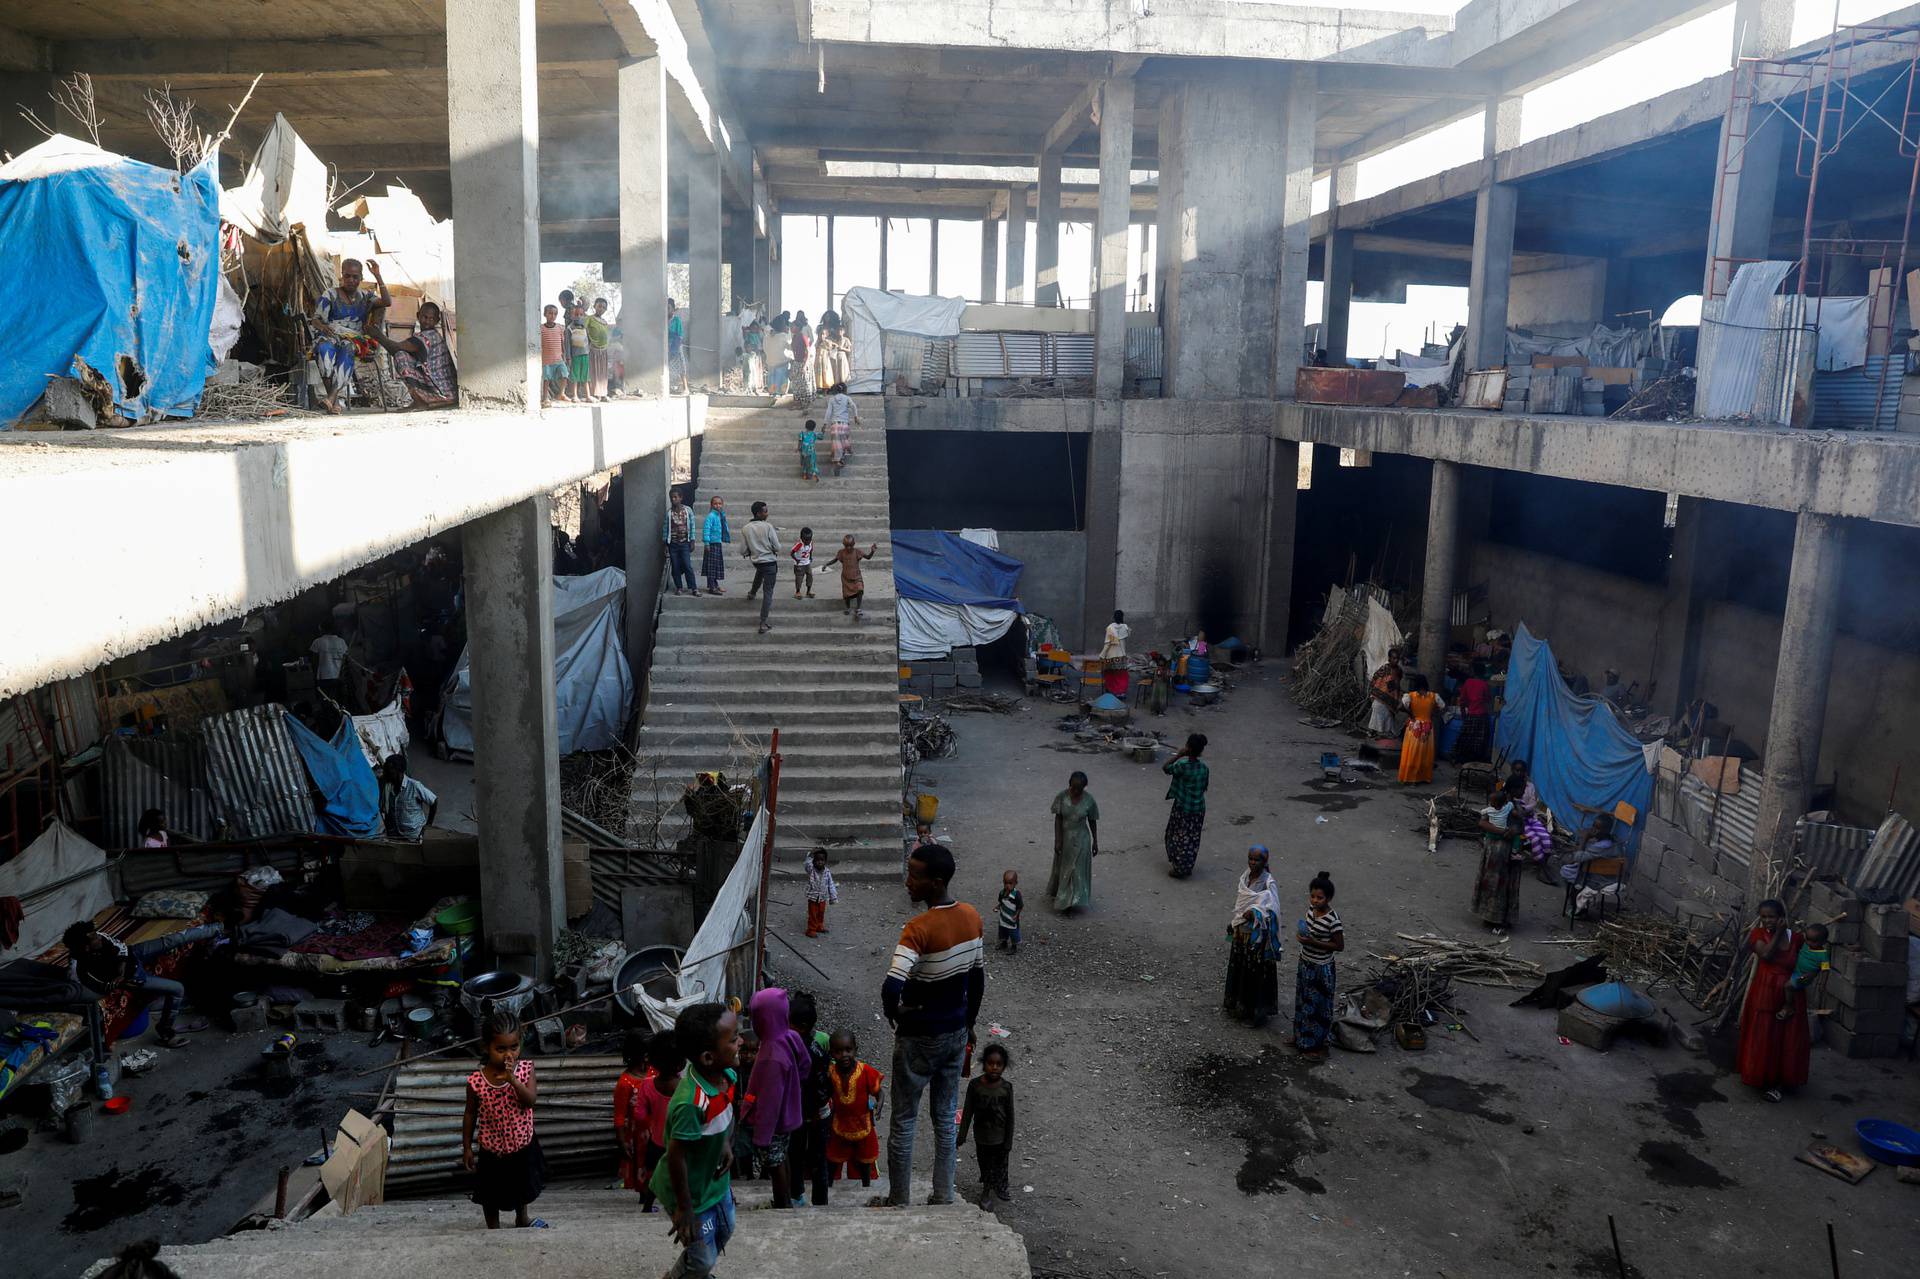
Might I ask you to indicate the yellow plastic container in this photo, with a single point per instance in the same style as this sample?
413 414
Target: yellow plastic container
926 807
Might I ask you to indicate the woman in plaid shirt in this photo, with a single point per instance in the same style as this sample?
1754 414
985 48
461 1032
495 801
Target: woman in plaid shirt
1188 792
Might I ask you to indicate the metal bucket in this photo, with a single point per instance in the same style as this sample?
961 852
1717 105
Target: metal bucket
654 968
507 992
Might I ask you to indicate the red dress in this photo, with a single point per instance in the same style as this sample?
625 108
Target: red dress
852 1139
1773 1053
632 1143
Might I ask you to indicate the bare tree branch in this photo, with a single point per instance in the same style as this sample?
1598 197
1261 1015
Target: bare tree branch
36 122
75 96
172 119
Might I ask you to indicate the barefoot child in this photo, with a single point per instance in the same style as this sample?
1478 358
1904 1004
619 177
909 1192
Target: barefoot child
693 1178
809 456
989 1112
808 1155
744 1168
553 357
633 1054
855 1101
821 890
853 587
802 555
1011 904
509 1171
775 1086
648 1118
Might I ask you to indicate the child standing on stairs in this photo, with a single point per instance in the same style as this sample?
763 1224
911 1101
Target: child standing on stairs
509 1170
636 1073
693 1179
809 459
647 1117
853 587
802 554
820 891
854 1101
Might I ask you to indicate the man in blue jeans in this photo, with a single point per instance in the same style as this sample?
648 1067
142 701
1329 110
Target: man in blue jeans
676 530
932 999
104 964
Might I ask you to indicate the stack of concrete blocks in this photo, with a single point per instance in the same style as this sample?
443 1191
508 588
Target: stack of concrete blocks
1684 879
1908 419
1867 986
1519 382
1593 397
941 677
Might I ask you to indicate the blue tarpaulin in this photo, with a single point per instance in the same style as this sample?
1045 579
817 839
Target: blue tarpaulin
112 263
349 792
945 568
1576 748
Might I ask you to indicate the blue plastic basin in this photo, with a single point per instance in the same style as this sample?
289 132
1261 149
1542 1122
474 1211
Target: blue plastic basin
1889 1142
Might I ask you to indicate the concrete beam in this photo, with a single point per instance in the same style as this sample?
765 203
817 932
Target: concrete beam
1073 122
653 28
1491 281
1296 220
22 52
516 736
1866 476
312 61
255 514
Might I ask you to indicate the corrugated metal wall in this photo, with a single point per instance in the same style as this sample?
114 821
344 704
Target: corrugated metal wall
1845 400
256 774
138 773
1893 863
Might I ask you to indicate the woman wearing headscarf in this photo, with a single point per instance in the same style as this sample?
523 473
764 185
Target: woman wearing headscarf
1076 842
1253 944
1496 889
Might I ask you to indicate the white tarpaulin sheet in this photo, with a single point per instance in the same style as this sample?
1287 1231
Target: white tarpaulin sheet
728 923
592 683
59 854
733 329
1842 340
870 315
382 733
1382 634
286 186
929 630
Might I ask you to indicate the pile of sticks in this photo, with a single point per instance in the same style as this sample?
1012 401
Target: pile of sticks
1668 400
1418 975
1453 815
973 700
1324 679
249 401
1651 950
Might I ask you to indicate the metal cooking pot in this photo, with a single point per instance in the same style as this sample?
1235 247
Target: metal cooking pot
508 992
654 968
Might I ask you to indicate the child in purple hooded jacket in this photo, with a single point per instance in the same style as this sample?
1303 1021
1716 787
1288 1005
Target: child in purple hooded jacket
778 1073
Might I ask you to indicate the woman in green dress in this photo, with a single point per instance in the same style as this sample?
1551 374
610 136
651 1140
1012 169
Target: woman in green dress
1076 842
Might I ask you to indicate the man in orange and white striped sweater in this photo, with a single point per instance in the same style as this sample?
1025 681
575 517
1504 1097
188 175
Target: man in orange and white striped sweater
932 999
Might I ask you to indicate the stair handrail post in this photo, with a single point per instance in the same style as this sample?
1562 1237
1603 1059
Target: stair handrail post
766 863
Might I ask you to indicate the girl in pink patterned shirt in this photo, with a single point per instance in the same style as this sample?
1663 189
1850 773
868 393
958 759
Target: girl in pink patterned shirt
509 1170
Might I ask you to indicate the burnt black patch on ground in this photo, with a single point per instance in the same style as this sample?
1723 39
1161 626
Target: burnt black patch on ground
104 1199
1672 1164
1263 1091
12 1139
1680 1094
1245 819
1331 803
1601 1264
1445 1092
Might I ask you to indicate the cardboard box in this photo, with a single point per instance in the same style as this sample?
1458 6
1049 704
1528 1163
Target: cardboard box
1611 376
355 1174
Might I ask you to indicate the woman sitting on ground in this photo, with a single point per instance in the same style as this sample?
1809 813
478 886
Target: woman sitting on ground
423 361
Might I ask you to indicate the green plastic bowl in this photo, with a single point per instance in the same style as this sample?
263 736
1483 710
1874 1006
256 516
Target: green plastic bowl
459 921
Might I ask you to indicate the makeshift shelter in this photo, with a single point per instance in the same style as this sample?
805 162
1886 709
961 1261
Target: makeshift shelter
953 592
1576 748
116 268
58 878
870 314
593 684
349 792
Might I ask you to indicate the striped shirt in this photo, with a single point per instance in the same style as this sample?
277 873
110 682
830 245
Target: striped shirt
1011 904
938 974
1317 946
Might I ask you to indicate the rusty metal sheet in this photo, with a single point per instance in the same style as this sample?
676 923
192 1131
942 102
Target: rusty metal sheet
1348 386
1484 389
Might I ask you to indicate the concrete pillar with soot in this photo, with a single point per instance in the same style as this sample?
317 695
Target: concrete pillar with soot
989 260
493 140
704 305
643 503
1807 629
1017 243
1111 223
1495 208
1752 145
516 755
1046 241
1443 557
1336 267
642 86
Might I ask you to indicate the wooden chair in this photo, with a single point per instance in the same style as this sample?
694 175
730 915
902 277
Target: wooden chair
1608 871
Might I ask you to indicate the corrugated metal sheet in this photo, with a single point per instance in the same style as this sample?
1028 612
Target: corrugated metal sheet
615 869
255 773
22 745
1893 863
425 1159
1831 849
1072 354
138 773
1732 330
1786 363
1844 400
186 868
1146 353
1729 828
1000 355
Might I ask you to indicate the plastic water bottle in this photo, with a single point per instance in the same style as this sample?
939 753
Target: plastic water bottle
103 1082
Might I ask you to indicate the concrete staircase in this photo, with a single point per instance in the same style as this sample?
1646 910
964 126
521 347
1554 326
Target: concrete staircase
600 1232
829 684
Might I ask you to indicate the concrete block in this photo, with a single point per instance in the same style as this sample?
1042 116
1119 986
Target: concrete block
1886 950
1866 999
1663 901
1853 965
1829 900
967 681
1584 1026
321 1014
1882 922
1844 933
1846 1042
942 683
963 653
251 1018
549 1036
941 667
1870 1022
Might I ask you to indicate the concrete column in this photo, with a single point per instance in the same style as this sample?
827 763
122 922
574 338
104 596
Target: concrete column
1336 266
763 270
1697 576
643 222
736 241
1104 449
1491 276
493 137
883 255
1235 187
1800 677
1283 495
705 304
831 294
933 258
1748 172
1296 222
516 758
989 260
777 254
643 503
1443 554
1017 243
1046 244
1112 220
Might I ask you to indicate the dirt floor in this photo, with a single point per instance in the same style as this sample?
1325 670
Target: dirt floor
1158 1138
200 1148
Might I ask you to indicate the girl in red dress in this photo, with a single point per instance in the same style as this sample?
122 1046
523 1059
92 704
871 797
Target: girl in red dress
853 1089
634 1053
1774 1043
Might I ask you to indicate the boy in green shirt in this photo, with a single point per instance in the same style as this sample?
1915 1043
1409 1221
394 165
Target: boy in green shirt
693 1179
